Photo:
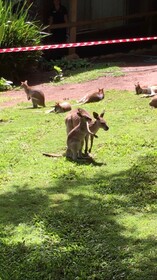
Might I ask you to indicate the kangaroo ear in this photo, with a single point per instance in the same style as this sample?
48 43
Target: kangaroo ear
95 115
79 111
101 90
79 114
102 114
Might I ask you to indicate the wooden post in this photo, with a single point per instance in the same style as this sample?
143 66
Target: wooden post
73 19
147 7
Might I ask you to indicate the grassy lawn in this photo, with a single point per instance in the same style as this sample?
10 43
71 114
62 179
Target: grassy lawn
92 72
78 221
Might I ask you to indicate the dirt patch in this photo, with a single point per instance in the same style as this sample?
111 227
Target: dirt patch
135 69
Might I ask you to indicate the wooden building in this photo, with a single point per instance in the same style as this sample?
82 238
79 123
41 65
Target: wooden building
104 19
97 15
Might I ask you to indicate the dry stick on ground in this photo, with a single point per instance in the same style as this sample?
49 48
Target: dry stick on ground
53 155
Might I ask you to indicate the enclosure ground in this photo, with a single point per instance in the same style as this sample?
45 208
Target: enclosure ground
135 69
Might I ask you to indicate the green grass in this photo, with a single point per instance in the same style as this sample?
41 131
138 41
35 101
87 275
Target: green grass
63 220
4 98
91 72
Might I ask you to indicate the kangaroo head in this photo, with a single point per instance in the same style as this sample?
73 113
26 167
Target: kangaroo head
83 116
100 120
57 105
138 88
101 90
24 84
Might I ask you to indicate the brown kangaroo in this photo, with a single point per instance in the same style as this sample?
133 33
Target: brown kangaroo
93 97
73 119
153 102
76 136
37 96
94 127
61 107
146 91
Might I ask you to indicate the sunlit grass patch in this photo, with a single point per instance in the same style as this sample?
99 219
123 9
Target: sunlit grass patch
66 220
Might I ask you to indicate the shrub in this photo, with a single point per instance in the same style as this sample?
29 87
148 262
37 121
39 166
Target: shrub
16 31
4 84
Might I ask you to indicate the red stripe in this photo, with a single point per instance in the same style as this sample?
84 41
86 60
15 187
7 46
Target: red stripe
75 45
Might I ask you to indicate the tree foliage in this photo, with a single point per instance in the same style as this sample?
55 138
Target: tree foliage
16 30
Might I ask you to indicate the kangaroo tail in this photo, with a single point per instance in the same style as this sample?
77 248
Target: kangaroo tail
52 155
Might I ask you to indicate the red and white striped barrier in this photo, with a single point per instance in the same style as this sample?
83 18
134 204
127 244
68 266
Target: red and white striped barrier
75 45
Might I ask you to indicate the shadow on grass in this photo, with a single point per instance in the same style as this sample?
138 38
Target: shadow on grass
20 205
86 161
31 107
83 238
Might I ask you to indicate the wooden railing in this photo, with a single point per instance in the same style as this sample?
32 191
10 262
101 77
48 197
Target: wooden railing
104 20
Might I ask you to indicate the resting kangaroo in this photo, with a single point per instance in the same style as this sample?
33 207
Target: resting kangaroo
73 119
37 96
146 91
153 102
76 136
93 97
61 107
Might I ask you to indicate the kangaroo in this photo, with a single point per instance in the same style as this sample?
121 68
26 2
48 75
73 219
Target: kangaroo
146 91
76 137
37 96
61 107
153 102
94 127
73 119
93 97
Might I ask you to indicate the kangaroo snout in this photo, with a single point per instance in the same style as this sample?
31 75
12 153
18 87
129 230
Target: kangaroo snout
106 128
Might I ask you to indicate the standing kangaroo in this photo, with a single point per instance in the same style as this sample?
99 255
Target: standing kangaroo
37 96
146 91
76 136
93 97
73 119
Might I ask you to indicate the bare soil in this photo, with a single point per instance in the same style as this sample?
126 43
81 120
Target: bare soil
135 69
